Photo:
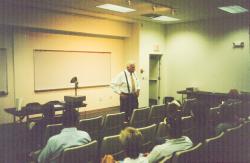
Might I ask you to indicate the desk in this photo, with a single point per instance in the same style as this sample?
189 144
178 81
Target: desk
26 112
212 98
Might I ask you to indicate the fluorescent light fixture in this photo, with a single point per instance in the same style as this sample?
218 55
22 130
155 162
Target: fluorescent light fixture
233 9
116 8
165 18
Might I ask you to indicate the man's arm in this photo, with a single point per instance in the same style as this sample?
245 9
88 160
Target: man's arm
154 156
44 156
115 83
138 86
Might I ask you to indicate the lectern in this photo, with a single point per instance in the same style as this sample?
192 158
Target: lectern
72 102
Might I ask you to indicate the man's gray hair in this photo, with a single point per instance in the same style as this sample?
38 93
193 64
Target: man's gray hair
130 63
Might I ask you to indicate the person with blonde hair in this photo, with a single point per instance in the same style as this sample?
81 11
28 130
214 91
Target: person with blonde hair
131 140
126 84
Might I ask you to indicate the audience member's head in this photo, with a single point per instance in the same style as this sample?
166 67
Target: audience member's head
70 118
175 126
173 109
233 93
131 139
200 112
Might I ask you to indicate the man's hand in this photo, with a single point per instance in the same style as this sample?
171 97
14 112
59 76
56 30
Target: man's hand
137 93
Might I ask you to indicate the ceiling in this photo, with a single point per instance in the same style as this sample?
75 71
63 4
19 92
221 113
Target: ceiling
185 10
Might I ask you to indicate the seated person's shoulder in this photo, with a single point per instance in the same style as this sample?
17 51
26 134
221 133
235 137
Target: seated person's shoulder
84 134
187 139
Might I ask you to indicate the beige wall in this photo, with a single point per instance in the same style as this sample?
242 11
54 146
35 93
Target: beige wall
24 44
152 41
7 101
201 54
42 29
58 21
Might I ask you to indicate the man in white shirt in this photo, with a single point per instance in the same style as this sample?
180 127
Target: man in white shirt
127 85
68 137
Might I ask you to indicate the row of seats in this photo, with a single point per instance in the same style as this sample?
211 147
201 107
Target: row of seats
93 151
112 124
231 146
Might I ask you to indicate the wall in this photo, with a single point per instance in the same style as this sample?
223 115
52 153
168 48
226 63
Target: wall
7 101
41 29
200 54
152 41
24 44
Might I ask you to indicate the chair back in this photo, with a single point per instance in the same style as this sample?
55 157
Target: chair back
113 124
214 149
34 107
51 130
139 117
86 153
157 113
214 115
92 126
162 131
233 144
166 160
187 106
187 125
192 155
148 134
111 145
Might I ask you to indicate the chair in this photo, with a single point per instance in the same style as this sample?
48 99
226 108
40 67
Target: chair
86 153
214 115
51 130
213 151
148 134
139 117
187 106
113 124
244 109
111 145
167 99
91 126
157 113
187 125
33 107
192 155
233 145
162 131
166 160
245 141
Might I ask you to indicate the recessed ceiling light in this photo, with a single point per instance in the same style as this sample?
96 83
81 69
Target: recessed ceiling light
233 9
116 8
165 18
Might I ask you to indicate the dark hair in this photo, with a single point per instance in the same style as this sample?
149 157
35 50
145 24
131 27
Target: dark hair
70 118
131 139
175 125
233 93
174 120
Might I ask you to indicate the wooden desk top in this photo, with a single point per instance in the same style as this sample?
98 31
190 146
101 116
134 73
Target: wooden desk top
26 112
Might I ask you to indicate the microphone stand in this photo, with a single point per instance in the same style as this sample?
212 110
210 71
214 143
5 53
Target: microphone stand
76 86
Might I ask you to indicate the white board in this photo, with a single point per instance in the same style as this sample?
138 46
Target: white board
3 71
53 69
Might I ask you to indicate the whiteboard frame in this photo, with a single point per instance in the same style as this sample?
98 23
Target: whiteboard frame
68 88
